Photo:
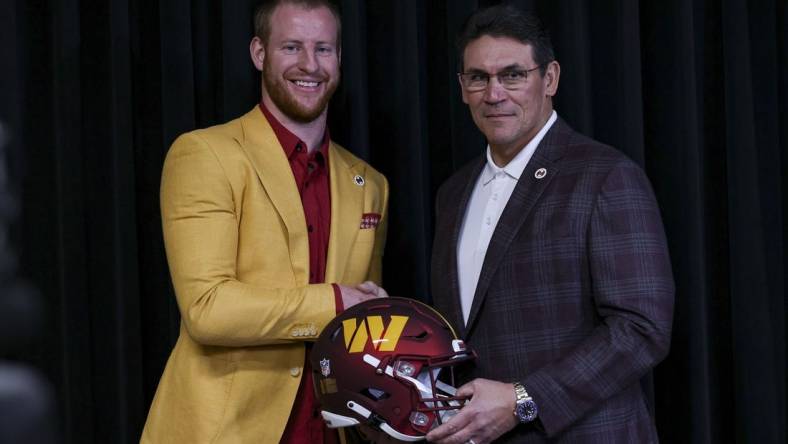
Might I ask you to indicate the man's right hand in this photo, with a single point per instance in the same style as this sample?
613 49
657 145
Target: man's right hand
367 290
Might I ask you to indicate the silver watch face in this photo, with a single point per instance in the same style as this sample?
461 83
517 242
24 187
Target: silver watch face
527 411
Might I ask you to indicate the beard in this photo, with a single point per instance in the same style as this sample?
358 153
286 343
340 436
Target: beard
288 104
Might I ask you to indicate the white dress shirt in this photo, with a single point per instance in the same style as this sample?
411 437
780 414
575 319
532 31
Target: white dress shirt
490 196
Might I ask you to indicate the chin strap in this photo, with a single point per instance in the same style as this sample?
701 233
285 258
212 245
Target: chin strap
334 421
397 435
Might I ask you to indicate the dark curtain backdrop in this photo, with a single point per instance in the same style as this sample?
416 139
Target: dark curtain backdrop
696 91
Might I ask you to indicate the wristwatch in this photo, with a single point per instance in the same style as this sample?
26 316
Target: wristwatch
525 409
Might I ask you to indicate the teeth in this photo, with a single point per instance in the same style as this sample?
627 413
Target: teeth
306 84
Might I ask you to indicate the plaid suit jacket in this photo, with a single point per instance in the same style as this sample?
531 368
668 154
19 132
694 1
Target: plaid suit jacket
575 296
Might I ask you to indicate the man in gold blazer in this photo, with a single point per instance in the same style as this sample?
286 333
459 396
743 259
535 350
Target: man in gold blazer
270 230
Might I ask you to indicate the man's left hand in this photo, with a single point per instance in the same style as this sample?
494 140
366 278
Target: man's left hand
488 415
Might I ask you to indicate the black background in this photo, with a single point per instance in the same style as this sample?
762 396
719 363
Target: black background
696 91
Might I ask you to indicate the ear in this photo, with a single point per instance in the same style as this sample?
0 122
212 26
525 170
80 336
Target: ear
551 76
257 52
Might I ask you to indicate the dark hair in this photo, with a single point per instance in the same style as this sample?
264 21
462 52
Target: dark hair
262 16
508 21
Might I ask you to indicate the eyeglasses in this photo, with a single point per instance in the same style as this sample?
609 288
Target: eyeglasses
510 79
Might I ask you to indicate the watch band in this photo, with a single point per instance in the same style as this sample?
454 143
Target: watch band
525 409
521 393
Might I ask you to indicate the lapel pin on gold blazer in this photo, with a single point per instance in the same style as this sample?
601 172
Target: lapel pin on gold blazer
358 180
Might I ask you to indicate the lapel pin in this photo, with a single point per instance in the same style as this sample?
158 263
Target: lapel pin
358 180
540 173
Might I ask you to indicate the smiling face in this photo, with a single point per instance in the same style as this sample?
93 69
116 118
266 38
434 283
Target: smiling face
509 118
300 62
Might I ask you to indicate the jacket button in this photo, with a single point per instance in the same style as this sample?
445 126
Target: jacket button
295 371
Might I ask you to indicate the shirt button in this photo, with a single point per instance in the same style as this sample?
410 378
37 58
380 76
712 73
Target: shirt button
310 228
298 147
295 371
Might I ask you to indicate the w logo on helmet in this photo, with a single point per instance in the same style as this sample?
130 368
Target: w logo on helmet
383 338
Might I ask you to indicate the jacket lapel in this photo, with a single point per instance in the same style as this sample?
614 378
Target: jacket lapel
347 206
269 161
525 195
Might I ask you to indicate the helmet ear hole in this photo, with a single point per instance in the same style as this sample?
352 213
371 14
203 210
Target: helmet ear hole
375 394
422 335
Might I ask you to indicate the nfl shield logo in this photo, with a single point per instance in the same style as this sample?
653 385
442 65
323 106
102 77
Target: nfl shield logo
325 367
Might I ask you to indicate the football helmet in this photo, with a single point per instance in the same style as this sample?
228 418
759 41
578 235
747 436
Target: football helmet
378 363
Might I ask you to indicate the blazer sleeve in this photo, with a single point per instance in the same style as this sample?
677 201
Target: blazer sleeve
633 293
200 225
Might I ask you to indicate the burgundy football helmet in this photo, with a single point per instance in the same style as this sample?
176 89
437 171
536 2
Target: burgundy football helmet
378 363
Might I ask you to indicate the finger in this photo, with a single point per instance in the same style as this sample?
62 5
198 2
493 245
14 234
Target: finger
368 286
371 287
440 432
455 425
466 390
366 296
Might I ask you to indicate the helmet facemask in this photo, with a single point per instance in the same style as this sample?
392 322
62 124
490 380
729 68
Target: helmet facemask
434 400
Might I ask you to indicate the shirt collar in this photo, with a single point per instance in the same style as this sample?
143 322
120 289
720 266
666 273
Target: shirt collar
516 166
290 141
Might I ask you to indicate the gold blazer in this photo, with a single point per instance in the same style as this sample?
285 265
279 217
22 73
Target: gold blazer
237 247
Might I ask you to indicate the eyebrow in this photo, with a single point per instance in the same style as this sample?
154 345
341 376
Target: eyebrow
301 43
512 67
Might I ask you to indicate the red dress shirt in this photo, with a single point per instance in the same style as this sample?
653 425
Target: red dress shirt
310 171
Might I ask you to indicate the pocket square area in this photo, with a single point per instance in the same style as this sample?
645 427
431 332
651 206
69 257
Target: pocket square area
369 220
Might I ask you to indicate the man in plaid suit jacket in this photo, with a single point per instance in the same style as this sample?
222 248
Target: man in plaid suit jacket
549 256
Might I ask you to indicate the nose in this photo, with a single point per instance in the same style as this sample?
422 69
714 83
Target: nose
307 61
495 92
